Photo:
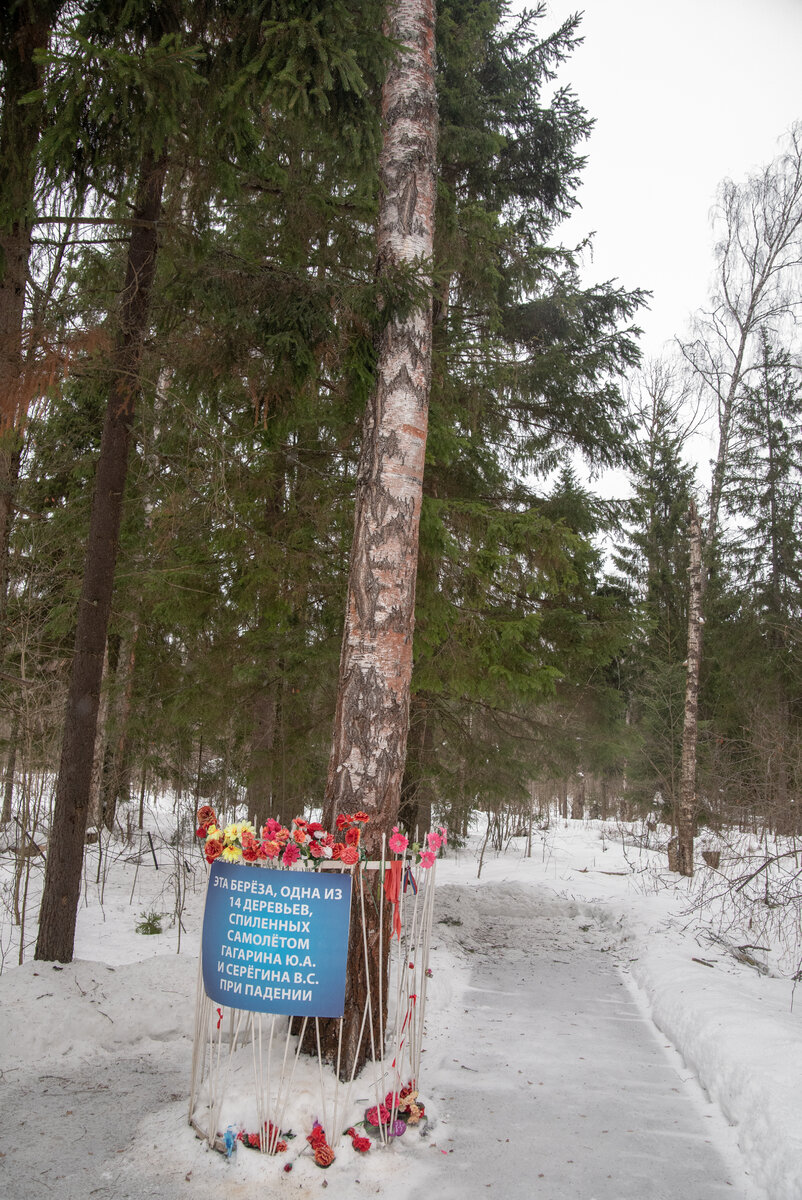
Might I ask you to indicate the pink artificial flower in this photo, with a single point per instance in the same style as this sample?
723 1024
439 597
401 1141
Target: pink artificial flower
434 841
398 841
291 854
427 858
444 835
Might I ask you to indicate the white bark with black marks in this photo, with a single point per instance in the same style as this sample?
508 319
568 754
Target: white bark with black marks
686 816
370 732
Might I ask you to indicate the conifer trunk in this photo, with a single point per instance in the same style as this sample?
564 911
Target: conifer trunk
368 753
686 816
117 783
65 854
259 794
20 126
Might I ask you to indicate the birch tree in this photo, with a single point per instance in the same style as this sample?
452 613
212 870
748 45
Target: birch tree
372 714
759 256
686 812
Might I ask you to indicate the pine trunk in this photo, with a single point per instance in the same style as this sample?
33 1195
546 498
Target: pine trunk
63 873
366 766
20 126
11 766
686 816
94 816
259 795
415 811
116 783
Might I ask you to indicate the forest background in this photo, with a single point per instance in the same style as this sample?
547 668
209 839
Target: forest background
243 141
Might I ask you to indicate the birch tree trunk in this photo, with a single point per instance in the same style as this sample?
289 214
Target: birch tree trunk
64 860
370 728
368 753
686 816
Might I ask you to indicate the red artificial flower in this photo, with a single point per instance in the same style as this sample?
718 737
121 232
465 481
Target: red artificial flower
352 837
318 1135
299 836
349 855
290 855
343 821
250 853
207 815
360 816
214 849
336 850
377 1116
314 827
316 850
300 822
324 1156
269 849
362 1144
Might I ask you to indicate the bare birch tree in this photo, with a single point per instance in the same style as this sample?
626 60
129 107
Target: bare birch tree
759 256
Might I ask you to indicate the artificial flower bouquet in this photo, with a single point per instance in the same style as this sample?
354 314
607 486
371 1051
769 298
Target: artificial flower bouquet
399 1110
279 845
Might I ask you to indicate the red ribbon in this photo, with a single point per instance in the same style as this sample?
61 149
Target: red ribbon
219 1017
392 890
410 1005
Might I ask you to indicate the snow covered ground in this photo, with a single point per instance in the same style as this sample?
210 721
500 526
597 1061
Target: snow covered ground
587 1039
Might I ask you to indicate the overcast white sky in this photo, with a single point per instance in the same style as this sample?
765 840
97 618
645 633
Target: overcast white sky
683 94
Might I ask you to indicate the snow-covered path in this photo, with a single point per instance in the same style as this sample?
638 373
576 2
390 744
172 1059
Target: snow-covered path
559 1087
545 1079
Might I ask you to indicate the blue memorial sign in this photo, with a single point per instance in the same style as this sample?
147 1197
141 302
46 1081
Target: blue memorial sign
276 941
